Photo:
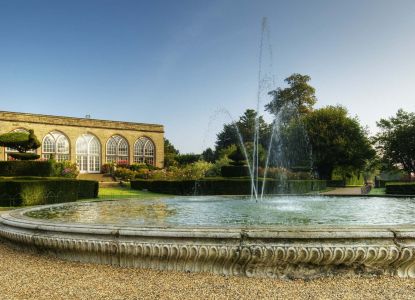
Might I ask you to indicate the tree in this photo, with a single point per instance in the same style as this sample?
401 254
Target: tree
299 95
170 153
187 158
246 126
337 140
396 141
209 155
22 142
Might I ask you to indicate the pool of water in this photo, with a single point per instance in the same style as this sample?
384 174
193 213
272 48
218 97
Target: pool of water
219 211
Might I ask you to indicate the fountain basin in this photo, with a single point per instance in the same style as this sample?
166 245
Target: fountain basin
302 251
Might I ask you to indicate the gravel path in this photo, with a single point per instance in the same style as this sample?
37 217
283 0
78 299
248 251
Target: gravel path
30 276
344 191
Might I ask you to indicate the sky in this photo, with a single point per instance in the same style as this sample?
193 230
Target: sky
183 63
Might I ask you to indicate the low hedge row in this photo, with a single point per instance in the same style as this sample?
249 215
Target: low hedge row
235 186
35 191
26 168
336 183
234 171
400 188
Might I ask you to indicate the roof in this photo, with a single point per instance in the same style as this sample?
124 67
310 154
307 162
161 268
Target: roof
78 122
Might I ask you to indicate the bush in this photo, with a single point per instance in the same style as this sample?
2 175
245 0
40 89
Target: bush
186 159
400 188
191 171
107 168
136 167
88 189
122 164
36 191
65 169
216 168
24 156
221 186
336 183
26 168
22 142
124 174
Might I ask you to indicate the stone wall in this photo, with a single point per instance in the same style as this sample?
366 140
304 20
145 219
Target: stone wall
303 252
75 127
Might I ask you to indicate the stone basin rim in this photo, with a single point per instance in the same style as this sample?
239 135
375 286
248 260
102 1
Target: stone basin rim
17 218
275 252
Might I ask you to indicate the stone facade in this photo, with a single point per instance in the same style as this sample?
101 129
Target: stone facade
73 128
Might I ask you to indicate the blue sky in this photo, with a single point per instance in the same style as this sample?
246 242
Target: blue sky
178 62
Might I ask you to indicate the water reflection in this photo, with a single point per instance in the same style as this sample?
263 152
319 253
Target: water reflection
237 211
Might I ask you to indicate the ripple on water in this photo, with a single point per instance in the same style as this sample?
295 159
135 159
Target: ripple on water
236 211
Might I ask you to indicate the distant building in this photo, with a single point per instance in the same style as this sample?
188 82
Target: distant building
88 142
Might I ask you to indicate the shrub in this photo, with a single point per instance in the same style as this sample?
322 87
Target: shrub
215 170
195 170
186 159
22 142
124 173
88 189
237 157
234 186
108 168
36 191
400 188
234 171
336 183
65 169
24 156
142 173
136 167
26 168
282 173
123 164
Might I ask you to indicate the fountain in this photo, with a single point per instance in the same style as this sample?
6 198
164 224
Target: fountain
278 237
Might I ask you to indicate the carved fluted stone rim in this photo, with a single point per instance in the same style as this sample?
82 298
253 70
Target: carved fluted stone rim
278 251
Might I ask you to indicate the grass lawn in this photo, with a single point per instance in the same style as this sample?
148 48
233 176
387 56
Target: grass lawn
378 191
113 193
125 193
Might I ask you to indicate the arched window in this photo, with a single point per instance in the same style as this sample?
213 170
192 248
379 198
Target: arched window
88 154
117 149
55 144
11 150
144 151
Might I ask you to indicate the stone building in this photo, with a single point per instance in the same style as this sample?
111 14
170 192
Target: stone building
88 142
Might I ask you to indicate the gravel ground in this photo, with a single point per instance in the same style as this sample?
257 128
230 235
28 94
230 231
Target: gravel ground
30 276
345 191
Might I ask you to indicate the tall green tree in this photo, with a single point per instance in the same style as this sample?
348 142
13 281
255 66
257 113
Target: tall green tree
246 126
299 95
396 140
170 154
337 140
209 155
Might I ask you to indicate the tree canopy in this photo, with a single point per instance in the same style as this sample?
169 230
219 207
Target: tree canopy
396 141
299 95
170 153
337 140
246 126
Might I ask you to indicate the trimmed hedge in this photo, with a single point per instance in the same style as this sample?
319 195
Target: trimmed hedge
234 186
400 188
26 168
35 191
234 171
88 189
336 183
